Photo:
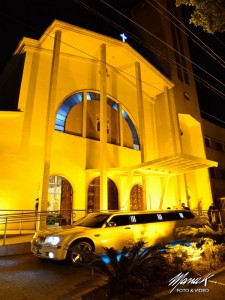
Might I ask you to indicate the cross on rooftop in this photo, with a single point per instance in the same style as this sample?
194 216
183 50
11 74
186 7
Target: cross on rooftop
123 36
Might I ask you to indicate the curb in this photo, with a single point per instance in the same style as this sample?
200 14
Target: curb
14 249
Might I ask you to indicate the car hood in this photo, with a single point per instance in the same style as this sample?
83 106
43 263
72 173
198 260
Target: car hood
62 230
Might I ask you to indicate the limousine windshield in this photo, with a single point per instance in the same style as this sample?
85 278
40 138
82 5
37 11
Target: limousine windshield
92 220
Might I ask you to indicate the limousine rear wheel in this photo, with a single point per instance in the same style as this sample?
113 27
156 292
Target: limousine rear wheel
76 249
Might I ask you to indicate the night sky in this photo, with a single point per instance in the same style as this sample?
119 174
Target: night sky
30 18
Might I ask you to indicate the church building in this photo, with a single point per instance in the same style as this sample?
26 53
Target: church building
88 124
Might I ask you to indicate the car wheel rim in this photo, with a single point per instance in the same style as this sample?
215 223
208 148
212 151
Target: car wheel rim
75 257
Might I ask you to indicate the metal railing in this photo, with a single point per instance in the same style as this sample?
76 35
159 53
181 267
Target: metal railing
19 222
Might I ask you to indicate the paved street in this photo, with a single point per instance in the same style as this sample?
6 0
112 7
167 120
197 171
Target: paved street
26 277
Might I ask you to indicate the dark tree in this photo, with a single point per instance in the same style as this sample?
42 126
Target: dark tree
209 14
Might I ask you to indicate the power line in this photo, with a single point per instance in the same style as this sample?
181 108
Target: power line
96 59
211 35
219 40
197 78
208 51
213 117
140 41
206 84
117 69
87 54
138 25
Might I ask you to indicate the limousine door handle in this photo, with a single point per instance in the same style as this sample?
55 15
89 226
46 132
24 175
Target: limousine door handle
127 227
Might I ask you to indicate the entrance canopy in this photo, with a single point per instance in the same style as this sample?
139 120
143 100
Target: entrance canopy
175 164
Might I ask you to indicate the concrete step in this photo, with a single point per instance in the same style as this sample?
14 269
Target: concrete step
16 244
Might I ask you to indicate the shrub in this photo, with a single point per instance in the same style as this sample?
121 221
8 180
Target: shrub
134 272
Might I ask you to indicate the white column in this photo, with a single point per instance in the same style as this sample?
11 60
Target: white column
120 125
50 121
140 112
103 132
173 120
84 121
175 137
142 136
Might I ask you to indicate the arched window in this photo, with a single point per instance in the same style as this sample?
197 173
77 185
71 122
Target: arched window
64 110
132 129
94 195
70 119
136 198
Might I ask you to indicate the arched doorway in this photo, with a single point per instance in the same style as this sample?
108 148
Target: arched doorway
136 198
94 195
60 195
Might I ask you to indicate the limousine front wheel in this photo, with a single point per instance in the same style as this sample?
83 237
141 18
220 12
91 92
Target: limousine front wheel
78 252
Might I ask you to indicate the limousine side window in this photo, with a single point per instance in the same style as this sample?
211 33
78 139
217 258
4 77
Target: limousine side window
120 220
160 217
146 218
188 215
173 216
124 220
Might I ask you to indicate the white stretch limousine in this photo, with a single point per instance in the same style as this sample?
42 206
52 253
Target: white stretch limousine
111 229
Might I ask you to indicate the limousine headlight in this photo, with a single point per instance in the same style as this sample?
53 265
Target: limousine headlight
52 240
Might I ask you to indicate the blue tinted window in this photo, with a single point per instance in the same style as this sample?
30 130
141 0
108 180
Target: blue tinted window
65 108
133 130
93 96
77 98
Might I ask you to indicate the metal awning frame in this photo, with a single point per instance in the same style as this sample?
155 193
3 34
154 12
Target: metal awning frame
179 163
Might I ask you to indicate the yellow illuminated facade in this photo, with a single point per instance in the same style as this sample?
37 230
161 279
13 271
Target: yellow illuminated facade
95 126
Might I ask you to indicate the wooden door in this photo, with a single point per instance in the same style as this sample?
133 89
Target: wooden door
136 198
66 201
